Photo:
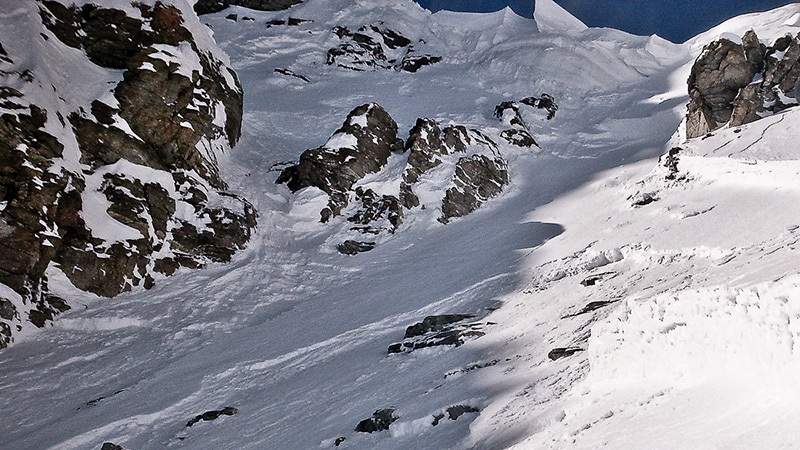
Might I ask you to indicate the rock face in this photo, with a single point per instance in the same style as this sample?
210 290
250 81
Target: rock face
121 187
478 178
427 144
374 47
735 84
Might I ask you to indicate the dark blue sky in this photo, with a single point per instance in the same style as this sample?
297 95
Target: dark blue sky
676 20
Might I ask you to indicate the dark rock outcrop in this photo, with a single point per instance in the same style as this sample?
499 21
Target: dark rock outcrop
736 84
378 212
477 179
212 6
141 178
350 247
361 146
380 421
427 143
111 446
374 47
563 352
212 415
434 331
453 413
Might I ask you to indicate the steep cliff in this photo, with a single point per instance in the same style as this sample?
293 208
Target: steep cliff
112 122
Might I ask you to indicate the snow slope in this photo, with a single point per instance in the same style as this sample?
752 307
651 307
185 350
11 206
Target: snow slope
694 350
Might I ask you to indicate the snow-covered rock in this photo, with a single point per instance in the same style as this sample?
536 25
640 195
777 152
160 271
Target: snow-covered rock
114 119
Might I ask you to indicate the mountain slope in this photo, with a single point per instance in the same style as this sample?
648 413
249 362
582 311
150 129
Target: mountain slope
295 336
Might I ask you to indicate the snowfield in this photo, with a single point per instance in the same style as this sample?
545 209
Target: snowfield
609 321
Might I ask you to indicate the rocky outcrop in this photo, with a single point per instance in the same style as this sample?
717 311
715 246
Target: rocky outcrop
374 47
477 179
380 421
427 143
124 188
433 331
453 413
464 164
212 6
361 146
212 415
735 84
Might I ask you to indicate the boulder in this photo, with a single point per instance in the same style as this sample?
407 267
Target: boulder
427 143
350 247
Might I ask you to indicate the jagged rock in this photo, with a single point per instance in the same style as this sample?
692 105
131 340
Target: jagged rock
212 415
670 162
477 179
350 247
7 309
725 86
413 63
716 77
376 47
378 212
289 73
511 114
520 138
558 353
754 51
437 331
426 144
380 421
545 102
161 123
361 146
212 6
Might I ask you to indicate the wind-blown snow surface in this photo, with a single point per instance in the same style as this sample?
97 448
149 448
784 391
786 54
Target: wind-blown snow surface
695 350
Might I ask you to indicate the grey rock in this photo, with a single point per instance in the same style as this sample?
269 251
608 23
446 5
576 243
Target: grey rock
724 86
454 412
111 446
336 170
477 179
715 80
520 138
378 212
